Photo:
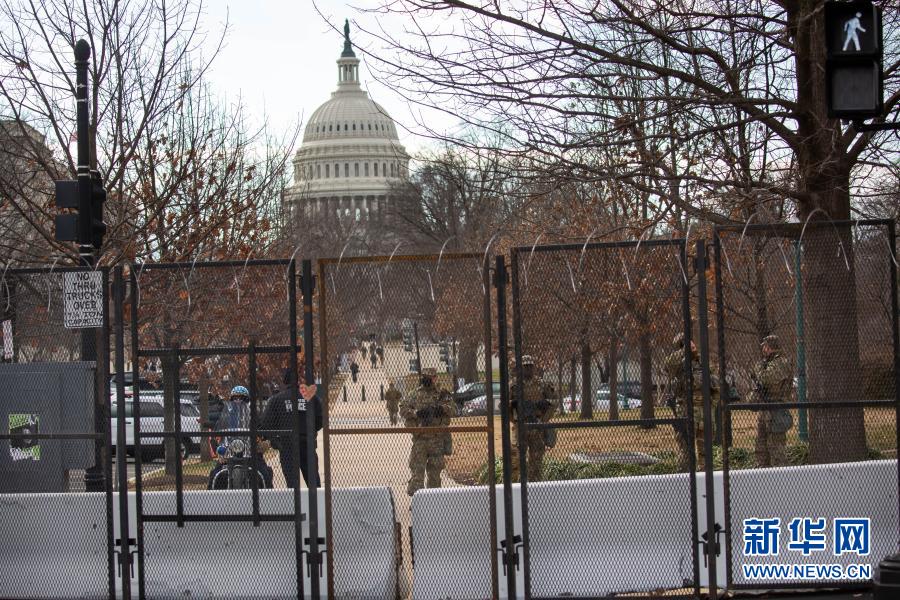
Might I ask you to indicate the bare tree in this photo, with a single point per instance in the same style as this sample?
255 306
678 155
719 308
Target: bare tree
718 112
188 176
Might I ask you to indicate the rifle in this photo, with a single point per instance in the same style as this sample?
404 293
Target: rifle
428 414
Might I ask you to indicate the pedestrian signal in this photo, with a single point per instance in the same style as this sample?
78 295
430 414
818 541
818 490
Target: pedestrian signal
853 64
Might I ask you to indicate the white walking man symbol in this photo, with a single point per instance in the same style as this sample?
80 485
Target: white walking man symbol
851 27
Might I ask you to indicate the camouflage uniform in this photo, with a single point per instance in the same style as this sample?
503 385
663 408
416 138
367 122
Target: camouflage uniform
773 381
392 402
428 449
675 370
539 407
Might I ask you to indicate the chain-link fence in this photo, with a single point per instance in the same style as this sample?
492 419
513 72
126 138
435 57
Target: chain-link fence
599 334
221 436
407 360
56 510
806 330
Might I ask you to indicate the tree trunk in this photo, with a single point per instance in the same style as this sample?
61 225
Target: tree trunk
823 166
759 293
832 346
205 451
646 359
614 379
573 383
587 405
169 373
560 364
468 361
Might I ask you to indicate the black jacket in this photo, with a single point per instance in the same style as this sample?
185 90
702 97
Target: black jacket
278 415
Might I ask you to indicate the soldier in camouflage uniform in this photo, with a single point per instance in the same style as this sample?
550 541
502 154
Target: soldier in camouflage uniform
392 401
538 406
681 388
427 407
772 381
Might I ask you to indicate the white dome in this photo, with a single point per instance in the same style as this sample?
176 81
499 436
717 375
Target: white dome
351 157
349 115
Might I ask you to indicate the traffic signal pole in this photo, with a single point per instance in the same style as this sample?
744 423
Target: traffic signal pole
85 248
94 478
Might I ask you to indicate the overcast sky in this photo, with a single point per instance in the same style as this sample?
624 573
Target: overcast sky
279 57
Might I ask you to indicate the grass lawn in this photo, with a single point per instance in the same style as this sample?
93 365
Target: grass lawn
470 450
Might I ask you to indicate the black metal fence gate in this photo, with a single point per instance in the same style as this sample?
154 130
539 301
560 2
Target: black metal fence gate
383 321
807 342
627 302
224 323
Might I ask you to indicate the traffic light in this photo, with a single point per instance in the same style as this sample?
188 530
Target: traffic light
853 72
407 341
69 225
445 353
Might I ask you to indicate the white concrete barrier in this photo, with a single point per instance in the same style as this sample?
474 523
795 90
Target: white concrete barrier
844 490
54 546
600 536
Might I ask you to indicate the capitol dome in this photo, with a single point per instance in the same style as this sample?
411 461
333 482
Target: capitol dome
350 156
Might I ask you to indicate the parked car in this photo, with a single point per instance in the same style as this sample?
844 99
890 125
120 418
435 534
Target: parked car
477 407
473 390
601 401
152 422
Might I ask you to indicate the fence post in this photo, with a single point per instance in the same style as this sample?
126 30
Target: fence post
124 534
703 317
312 466
510 560
364 392
802 425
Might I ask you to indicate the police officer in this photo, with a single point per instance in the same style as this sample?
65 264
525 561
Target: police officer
772 380
538 406
681 389
392 401
427 406
279 415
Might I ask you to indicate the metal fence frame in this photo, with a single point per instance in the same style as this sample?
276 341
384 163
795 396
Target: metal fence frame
102 432
250 351
729 408
487 430
523 426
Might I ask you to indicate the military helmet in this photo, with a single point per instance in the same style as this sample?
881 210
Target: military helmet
771 341
527 360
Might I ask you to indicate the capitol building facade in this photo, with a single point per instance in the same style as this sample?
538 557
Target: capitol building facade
350 157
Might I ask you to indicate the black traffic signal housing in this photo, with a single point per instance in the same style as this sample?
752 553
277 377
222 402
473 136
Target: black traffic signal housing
445 353
407 341
66 223
853 64
70 227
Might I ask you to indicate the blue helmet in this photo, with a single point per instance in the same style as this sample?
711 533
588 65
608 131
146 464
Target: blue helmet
239 390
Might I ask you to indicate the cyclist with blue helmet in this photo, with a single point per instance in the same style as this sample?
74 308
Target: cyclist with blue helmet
236 415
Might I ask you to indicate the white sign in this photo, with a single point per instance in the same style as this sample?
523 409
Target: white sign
83 298
7 340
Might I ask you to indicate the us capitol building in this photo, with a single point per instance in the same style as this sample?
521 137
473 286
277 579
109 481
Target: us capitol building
350 155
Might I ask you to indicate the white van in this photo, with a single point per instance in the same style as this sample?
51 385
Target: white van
152 421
